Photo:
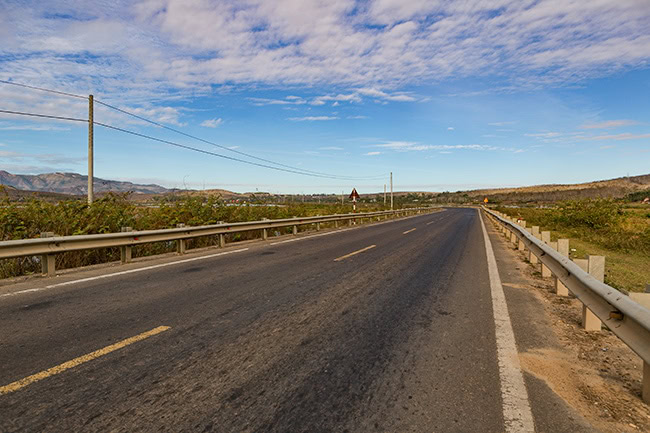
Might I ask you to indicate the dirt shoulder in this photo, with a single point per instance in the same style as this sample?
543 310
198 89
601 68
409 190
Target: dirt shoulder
594 373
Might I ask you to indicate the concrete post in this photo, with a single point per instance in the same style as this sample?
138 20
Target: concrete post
562 248
645 386
181 244
265 234
48 265
532 258
535 232
350 222
222 240
336 224
546 238
295 230
317 226
125 251
595 268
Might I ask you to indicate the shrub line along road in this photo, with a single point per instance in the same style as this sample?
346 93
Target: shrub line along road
386 328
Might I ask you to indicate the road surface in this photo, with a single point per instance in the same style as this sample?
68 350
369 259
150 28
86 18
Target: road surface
381 328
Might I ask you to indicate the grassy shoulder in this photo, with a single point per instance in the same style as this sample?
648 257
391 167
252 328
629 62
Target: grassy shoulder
600 227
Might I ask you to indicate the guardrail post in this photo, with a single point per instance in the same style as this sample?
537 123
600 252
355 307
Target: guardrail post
48 265
522 246
532 258
645 386
181 244
336 224
265 234
350 222
562 248
317 226
125 251
546 238
222 240
295 229
594 266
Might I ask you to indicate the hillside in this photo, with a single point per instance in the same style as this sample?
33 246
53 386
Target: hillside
72 183
612 188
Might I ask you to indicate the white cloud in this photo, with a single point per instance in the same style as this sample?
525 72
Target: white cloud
212 123
330 148
372 153
358 117
609 124
502 123
157 47
450 128
311 118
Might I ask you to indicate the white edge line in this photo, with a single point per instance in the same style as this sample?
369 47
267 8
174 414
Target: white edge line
130 271
517 416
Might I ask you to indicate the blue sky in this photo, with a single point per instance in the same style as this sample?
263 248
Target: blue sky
446 95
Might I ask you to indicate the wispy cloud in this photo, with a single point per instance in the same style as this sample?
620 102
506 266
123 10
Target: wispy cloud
358 117
609 124
404 146
450 128
618 137
330 148
212 123
372 153
502 123
35 127
311 118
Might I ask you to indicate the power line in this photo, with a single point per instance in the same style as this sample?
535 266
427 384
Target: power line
232 150
42 89
195 149
288 168
207 152
46 116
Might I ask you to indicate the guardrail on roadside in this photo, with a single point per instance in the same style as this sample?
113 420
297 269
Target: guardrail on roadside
49 244
625 318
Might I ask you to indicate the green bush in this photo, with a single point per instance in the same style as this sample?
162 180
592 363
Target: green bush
25 220
591 214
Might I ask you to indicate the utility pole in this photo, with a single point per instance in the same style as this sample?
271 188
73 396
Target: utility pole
391 190
91 124
384 194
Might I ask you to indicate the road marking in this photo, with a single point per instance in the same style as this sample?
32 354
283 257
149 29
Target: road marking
15 386
409 231
354 253
130 271
517 415
431 222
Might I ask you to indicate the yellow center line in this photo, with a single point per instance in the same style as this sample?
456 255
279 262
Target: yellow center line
354 253
409 231
15 386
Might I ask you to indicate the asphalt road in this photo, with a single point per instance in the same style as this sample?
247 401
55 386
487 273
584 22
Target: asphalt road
277 338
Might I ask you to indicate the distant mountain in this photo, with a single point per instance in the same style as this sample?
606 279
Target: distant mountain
73 183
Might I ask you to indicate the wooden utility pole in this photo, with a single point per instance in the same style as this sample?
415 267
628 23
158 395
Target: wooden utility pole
91 124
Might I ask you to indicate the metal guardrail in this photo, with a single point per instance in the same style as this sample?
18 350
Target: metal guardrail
627 319
59 244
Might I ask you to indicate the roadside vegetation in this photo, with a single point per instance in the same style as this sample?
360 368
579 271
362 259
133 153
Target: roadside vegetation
29 218
616 229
